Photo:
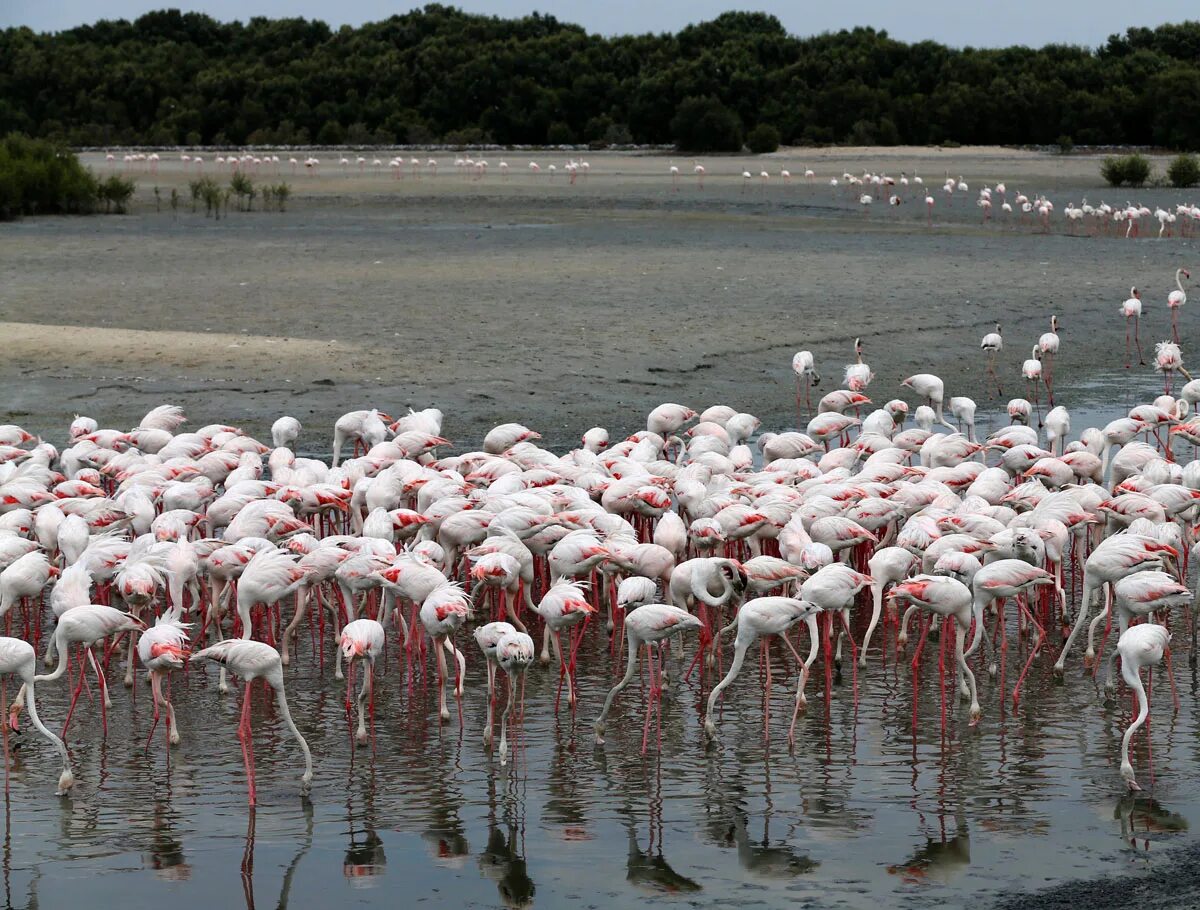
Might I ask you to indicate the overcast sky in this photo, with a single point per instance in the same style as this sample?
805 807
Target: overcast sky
955 22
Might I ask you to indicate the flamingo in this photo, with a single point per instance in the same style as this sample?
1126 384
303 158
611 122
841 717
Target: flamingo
760 618
362 639
1031 369
805 369
564 607
18 657
1176 299
950 598
162 649
251 660
488 638
858 374
650 625
444 611
992 344
514 654
933 390
86 626
1139 646
1048 345
1168 360
1132 309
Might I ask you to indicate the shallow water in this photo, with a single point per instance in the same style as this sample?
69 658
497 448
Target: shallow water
869 807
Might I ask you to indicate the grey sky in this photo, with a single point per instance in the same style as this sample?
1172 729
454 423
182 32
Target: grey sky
955 22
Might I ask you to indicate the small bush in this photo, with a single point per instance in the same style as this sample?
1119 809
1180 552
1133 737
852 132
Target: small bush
1184 171
242 187
115 192
763 139
281 192
1125 170
1066 145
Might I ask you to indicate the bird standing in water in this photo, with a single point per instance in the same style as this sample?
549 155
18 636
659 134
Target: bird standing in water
251 660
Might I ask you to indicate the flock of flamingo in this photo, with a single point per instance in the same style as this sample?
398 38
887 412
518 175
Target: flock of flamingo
167 550
994 201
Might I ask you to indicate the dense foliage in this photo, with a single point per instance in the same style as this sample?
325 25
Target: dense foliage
1184 171
1125 170
38 178
171 78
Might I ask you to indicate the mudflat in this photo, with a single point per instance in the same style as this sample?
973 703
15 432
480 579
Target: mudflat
523 296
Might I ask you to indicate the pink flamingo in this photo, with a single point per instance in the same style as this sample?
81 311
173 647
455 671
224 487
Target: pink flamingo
251 660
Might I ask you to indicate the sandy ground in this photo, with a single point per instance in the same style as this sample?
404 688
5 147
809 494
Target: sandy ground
561 306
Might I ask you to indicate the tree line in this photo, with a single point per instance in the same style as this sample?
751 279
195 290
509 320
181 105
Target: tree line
442 75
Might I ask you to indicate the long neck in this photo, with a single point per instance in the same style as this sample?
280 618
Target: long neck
978 603
281 700
62 646
1178 282
700 590
1134 680
31 703
630 669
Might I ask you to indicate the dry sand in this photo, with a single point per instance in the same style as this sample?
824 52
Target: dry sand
526 298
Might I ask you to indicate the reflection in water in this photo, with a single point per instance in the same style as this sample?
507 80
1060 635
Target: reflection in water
729 827
247 871
285 890
939 860
446 834
166 850
365 861
761 857
1145 818
503 859
650 870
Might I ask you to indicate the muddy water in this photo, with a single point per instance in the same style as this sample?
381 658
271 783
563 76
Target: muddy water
874 805
869 809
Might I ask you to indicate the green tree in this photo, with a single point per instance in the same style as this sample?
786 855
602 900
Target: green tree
706 125
762 139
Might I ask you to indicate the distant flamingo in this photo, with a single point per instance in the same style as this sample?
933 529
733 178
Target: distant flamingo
806 373
991 345
1132 309
858 374
1048 345
1175 300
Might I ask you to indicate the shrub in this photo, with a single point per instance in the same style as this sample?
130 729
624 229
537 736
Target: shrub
115 192
1066 145
242 187
37 177
282 191
762 139
706 125
1184 171
1125 170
